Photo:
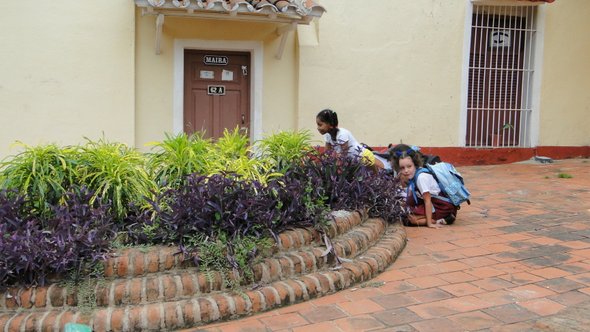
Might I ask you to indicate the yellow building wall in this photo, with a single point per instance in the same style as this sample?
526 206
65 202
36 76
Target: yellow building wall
155 72
391 71
565 97
66 72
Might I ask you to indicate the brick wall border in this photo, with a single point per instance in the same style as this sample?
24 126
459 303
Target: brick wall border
154 290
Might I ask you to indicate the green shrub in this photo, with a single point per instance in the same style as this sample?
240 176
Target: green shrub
42 174
179 156
116 173
285 148
232 154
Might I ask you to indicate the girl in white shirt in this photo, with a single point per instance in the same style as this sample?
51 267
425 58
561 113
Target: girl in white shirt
425 207
341 140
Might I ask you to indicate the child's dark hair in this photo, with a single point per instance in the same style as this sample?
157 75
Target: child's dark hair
402 151
328 116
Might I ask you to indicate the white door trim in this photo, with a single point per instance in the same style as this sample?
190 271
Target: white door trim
256 55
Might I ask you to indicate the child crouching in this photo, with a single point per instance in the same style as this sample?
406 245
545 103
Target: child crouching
425 207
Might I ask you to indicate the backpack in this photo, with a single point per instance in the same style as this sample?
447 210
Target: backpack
449 180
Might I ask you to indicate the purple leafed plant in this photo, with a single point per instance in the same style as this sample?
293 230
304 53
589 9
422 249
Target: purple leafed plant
77 234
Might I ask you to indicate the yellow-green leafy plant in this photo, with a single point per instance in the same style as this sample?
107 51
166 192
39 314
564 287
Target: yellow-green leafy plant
232 154
116 173
43 174
285 148
179 156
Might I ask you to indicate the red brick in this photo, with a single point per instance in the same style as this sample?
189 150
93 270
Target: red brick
285 240
101 321
137 259
152 289
154 317
134 291
242 306
122 266
153 261
256 299
40 297
31 321
117 317
297 289
271 297
169 287
120 292
311 286
64 318
102 294
283 292
48 322
191 313
171 319
135 318
297 263
324 283
109 267
207 310
56 296
16 321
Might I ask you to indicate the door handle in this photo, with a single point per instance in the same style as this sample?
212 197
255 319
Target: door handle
243 119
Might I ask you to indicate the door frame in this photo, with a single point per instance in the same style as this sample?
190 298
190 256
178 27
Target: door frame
537 53
256 59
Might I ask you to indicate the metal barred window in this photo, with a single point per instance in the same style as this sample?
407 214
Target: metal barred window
500 72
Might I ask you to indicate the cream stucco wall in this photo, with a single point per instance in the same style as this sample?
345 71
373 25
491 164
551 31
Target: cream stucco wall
384 67
155 73
66 72
565 97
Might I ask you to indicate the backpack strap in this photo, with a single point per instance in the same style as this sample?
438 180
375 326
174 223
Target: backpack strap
412 187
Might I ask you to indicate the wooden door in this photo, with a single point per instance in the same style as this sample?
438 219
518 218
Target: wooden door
216 91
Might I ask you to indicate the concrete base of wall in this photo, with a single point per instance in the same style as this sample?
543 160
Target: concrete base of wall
461 156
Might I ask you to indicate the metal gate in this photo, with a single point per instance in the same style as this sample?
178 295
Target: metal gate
500 72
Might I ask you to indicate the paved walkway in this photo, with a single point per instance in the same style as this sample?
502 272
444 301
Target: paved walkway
517 259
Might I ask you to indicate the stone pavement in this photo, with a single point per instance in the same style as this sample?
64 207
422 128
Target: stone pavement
517 259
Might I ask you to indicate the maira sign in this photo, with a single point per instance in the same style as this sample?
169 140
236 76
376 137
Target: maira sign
215 60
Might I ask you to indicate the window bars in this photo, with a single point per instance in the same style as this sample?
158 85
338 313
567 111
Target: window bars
500 76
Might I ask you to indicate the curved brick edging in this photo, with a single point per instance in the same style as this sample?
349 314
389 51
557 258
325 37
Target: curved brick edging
170 298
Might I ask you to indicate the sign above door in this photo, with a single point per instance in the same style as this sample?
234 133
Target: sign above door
215 60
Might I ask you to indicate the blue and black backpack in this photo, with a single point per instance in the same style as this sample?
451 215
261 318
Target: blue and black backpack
449 180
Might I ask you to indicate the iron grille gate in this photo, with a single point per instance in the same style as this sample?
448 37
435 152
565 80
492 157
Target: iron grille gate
500 72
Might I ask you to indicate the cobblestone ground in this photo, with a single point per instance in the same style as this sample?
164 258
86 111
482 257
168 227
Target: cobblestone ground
517 259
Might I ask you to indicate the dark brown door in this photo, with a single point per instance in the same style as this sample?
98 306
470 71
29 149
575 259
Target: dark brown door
216 91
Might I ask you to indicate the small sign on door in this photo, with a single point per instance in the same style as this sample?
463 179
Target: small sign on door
216 90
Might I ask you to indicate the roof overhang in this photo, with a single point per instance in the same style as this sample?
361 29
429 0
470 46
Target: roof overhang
277 11
291 12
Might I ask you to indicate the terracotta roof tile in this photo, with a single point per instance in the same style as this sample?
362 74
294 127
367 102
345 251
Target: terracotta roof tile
291 9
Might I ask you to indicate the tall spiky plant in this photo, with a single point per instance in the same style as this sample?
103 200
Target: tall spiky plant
115 173
42 174
178 156
285 148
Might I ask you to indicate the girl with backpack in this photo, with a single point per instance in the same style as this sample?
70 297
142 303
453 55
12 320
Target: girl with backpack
342 141
425 207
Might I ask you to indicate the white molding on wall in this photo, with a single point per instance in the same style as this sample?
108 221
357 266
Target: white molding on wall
539 40
465 73
256 51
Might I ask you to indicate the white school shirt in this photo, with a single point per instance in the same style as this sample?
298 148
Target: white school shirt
427 184
344 136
